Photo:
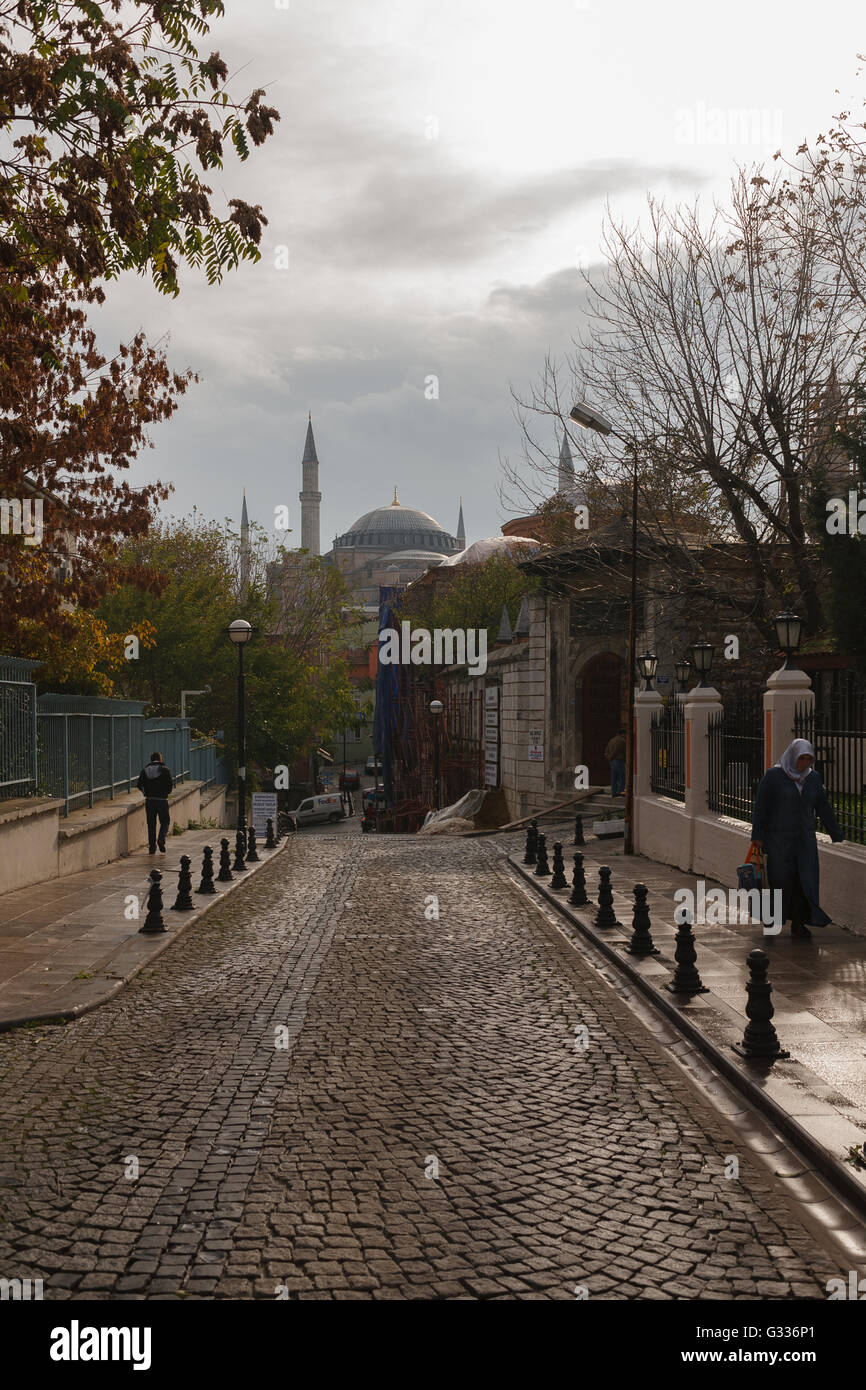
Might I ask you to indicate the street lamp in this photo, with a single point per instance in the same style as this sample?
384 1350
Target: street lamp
702 658
183 694
647 665
591 419
240 632
681 671
436 711
789 628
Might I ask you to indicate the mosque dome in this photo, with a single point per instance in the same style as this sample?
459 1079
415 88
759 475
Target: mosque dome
398 528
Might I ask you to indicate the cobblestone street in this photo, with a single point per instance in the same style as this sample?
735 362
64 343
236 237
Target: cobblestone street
289 1079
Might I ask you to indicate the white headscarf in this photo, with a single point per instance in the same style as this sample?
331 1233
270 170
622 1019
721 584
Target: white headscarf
788 760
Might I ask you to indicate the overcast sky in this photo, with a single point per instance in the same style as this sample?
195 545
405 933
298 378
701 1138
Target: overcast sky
439 173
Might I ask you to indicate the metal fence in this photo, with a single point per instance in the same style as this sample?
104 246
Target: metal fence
668 772
736 757
838 735
84 757
17 728
84 749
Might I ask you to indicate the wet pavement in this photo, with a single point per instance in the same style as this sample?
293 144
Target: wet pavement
371 1073
819 987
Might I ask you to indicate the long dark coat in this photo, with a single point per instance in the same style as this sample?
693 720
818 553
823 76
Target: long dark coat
784 821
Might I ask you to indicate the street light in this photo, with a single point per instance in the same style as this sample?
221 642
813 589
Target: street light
789 628
681 671
240 632
647 665
183 694
702 657
591 419
436 710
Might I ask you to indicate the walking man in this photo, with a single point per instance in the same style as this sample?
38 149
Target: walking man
614 751
156 781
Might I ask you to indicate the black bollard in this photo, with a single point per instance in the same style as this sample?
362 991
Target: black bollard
686 978
239 866
542 868
270 842
225 874
578 831
153 922
760 1038
578 883
559 880
605 917
206 885
252 856
531 843
641 937
183 902
278 834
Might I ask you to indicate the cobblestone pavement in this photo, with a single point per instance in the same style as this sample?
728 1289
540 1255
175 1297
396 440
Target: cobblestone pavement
307 1170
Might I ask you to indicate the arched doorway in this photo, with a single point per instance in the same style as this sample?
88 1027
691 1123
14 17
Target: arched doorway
600 703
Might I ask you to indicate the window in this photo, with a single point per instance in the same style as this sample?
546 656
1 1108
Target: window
306 805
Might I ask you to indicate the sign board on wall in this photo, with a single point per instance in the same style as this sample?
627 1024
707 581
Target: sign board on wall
536 746
264 807
491 736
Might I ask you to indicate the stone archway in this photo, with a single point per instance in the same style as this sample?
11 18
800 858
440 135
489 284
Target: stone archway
599 705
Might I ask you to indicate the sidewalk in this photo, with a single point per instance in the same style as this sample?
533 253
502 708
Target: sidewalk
819 988
66 946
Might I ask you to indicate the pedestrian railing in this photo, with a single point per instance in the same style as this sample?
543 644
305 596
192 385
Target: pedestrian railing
82 749
736 757
668 772
203 761
839 740
18 772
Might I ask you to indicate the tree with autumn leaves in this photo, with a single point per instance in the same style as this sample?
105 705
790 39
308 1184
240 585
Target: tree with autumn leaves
113 121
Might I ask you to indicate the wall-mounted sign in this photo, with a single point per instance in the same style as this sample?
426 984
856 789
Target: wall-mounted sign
264 806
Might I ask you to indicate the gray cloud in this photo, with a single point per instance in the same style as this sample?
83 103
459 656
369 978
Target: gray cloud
402 255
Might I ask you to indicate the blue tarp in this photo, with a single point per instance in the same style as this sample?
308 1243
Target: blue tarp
387 701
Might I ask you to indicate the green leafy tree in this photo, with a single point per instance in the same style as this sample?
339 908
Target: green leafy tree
297 689
469 596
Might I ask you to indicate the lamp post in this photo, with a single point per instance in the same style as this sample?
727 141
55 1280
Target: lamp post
681 671
647 665
240 632
436 711
789 629
702 659
590 419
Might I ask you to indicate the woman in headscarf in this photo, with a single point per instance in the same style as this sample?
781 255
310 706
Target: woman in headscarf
783 825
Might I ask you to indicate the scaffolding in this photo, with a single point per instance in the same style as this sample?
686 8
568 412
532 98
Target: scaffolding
405 735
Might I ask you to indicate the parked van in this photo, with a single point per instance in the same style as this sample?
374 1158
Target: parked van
320 808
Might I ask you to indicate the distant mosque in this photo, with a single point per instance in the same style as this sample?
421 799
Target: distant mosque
389 546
